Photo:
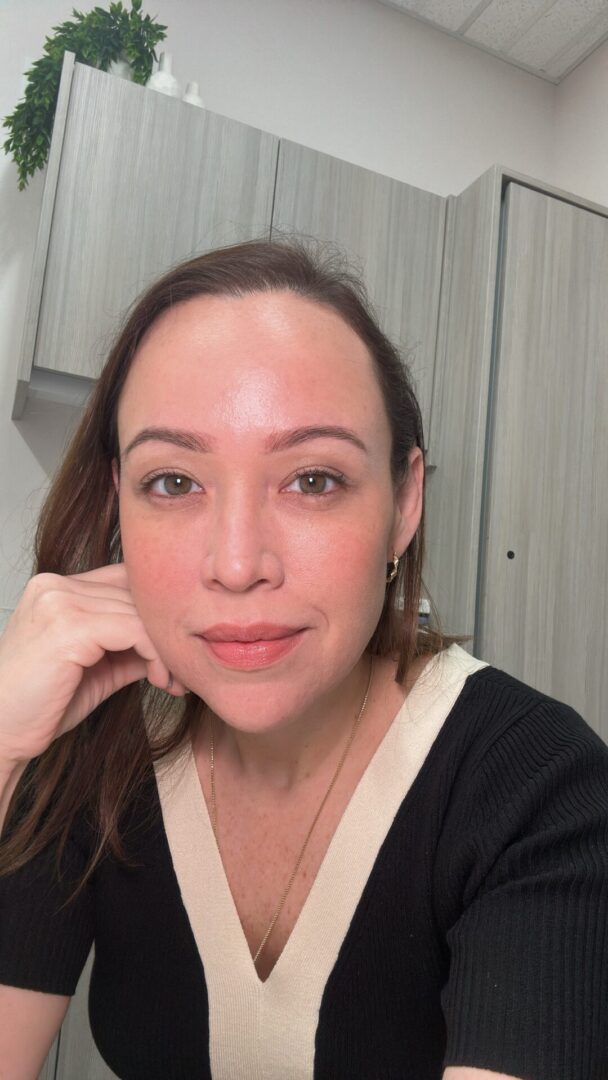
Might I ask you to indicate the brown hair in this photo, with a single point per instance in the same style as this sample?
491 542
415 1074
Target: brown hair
99 767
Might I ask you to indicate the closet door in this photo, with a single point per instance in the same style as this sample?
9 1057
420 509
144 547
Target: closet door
78 1057
543 594
393 232
144 181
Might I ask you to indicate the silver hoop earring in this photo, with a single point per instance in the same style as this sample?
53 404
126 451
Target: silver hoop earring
393 573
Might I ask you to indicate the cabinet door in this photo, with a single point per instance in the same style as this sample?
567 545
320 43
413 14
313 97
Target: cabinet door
544 585
144 182
78 1057
49 1068
391 231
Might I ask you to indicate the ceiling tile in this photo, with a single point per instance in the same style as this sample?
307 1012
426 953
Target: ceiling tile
505 20
552 32
546 37
449 15
580 48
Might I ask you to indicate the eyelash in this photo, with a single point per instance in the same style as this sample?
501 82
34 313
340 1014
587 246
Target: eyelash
146 485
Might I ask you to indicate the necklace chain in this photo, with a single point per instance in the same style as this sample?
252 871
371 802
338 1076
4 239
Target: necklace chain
294 872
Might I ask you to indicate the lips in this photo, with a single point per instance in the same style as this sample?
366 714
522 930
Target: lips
260 631
249 647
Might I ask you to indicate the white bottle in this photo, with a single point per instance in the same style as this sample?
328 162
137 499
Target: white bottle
192 95
162 80
121 68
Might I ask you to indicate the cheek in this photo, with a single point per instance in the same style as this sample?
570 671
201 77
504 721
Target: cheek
344 570
159 571
345 565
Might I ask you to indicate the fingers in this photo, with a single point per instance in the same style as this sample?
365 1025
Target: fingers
93 612
113 573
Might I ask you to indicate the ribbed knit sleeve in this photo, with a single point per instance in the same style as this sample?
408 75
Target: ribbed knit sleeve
44 944
525 846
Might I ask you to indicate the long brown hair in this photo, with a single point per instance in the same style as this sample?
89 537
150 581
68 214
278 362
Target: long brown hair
98 768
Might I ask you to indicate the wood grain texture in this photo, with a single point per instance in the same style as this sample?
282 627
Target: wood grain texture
79 1058
392 232
543 612
32 310
48 1070
146 181
460 398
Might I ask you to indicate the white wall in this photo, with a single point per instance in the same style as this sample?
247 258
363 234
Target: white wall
581 133
349 77
362 81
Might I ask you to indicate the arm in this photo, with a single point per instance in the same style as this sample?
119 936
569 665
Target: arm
30 1022
465 1072
527 841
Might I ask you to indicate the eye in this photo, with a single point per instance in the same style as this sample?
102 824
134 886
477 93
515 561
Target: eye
169 485
316 481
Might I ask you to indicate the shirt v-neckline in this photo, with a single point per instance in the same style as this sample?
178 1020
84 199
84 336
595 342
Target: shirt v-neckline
290 996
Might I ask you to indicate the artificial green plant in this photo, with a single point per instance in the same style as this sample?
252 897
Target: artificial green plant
97 38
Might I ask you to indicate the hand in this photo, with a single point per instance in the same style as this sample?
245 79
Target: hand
70 643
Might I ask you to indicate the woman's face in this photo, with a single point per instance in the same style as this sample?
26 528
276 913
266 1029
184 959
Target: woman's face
278 507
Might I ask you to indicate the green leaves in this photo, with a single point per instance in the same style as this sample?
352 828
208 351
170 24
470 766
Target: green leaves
96 38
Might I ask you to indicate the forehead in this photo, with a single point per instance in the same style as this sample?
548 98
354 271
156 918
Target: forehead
249 364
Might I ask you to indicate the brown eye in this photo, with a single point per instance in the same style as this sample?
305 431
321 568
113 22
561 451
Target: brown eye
317 482
177 485
170 484
313 483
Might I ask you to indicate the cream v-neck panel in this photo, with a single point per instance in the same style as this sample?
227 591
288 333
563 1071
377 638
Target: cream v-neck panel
266 1030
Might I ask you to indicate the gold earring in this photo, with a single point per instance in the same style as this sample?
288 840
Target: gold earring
393 573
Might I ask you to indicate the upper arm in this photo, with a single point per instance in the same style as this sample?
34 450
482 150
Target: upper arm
30 1022
466 1072
526 963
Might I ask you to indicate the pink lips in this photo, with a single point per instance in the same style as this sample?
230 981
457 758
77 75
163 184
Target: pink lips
253 646
259 631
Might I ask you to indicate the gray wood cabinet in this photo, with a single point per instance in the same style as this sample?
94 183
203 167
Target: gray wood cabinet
49 1068
517 510
137 182
543 587
78 1057
393 232
460 401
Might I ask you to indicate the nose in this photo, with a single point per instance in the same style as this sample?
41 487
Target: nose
242 542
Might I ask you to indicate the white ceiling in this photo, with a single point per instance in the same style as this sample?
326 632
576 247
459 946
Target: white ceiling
547 37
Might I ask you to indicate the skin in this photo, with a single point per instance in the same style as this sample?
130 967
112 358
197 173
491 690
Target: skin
246 543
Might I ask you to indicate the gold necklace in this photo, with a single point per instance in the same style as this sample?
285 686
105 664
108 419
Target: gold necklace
294 872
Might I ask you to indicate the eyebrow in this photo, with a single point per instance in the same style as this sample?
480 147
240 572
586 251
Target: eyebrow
276 441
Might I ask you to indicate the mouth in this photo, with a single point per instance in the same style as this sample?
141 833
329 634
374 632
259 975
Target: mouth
259 631
249 653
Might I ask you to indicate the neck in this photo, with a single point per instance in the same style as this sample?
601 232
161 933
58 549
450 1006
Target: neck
284 759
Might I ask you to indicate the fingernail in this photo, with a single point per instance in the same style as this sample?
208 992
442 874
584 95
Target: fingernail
170 683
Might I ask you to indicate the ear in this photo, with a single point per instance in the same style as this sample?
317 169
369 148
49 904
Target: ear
116 475
408 505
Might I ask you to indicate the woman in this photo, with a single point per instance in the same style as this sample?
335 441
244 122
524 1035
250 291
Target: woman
308 838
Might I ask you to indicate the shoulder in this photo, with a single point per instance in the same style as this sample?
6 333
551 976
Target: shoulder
495 706
512 761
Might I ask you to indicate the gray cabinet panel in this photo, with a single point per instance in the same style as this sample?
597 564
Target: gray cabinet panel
460 399
145 181
543 611
78 1057
48 1069
392 231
